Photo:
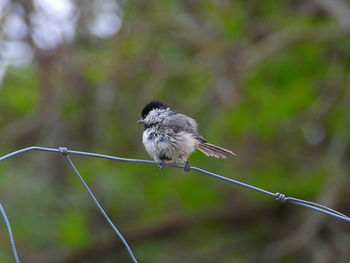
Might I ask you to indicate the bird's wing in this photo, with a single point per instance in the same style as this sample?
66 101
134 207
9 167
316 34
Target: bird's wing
179 122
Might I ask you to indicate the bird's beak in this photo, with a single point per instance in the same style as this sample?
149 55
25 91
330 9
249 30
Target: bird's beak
140 121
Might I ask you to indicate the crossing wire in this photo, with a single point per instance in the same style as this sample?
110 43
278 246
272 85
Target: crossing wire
64 151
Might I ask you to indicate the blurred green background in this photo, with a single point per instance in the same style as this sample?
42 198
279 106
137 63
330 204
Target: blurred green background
268 80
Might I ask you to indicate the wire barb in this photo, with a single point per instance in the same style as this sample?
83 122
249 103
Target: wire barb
280 197
63 150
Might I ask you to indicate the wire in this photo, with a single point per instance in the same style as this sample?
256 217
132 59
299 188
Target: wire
63 150
101 210
7 222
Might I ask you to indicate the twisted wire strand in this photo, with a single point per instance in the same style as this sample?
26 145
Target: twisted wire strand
63 150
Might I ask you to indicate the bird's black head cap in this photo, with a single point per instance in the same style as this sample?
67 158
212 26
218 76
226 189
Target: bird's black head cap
155 104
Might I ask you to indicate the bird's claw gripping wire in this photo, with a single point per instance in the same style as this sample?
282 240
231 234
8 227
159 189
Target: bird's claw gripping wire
187 166
162 164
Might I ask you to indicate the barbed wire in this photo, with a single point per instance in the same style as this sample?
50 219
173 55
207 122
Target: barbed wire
64 151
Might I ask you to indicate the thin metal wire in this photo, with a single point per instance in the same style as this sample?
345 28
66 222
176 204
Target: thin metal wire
278 196
10 233
101 210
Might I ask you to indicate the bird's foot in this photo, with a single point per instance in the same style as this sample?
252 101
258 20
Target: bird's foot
187 166
162 164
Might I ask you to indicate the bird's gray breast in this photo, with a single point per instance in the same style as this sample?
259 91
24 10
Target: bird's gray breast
162 143
158 143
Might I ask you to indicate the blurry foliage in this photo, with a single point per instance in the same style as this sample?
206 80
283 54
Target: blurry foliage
268 80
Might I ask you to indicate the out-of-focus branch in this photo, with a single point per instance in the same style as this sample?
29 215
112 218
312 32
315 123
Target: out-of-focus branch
168 227
334 157
269 46
3 66
278 41
339 10
304 234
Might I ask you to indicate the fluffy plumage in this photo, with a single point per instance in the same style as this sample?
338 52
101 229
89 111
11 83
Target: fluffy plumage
172 137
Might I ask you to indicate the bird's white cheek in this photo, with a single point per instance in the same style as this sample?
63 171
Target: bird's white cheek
144 137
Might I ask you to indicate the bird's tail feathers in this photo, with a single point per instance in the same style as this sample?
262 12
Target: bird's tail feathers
213 150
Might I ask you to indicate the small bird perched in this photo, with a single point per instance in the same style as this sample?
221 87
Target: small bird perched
172 137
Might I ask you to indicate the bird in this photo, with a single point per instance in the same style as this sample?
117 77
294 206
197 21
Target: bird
171 137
